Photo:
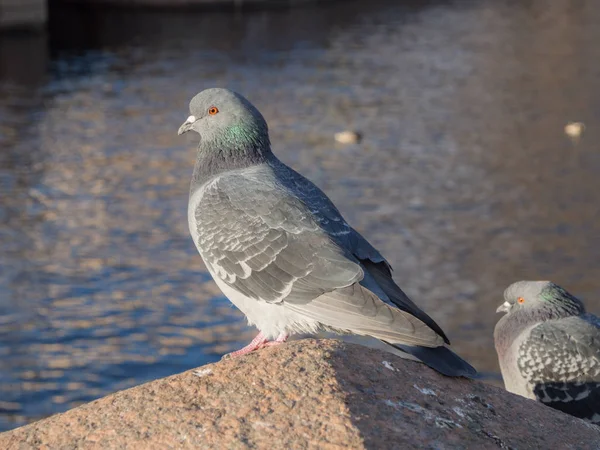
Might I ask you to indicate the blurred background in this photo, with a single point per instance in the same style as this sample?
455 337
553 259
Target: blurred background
465 178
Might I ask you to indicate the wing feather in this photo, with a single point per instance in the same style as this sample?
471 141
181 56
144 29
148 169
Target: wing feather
289 244
270 252
561 361
360 311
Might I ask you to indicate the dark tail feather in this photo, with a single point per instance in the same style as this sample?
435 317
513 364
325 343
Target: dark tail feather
442 359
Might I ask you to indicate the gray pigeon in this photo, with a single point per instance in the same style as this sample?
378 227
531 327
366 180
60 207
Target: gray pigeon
280 250
549 348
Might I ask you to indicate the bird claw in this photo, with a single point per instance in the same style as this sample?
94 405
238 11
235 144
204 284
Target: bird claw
257 343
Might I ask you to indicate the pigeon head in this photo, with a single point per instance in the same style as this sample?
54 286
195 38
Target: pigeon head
541 299
226 123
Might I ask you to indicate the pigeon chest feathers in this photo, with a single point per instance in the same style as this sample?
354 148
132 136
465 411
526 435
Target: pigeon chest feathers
508 337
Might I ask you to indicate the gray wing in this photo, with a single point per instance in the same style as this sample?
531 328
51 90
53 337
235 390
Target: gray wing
377 271
380 275
267 243
561 361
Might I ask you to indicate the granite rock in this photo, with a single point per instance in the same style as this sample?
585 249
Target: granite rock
309 394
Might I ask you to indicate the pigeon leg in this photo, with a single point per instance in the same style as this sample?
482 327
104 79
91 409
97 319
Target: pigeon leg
259 341
280 340
256 343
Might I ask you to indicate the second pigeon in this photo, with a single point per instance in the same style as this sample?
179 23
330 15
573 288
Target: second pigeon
549 348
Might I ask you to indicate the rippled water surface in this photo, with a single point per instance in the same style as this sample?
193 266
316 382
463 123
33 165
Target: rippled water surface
465 179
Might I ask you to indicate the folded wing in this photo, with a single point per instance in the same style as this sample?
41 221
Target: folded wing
270 246
561 360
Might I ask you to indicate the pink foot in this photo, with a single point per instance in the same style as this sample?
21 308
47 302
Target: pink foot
280 340
259 341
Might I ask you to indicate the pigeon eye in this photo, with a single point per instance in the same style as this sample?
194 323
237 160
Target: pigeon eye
213 110
521 300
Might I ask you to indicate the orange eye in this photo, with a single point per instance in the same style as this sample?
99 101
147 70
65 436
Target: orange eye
521 300
213 110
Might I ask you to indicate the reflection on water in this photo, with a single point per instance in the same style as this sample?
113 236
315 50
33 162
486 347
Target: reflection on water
464 180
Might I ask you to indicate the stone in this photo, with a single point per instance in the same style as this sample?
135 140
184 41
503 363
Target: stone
309 394
347 137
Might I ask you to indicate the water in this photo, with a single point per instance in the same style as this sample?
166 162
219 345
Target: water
465 179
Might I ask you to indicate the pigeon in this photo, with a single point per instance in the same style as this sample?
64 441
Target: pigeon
282 253
549 348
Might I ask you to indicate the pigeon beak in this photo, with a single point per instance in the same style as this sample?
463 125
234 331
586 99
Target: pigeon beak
187 125
504 307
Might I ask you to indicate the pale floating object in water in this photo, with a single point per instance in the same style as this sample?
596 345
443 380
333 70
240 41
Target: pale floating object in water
574 129
347 137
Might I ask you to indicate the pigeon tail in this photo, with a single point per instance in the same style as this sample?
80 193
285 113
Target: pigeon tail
441 359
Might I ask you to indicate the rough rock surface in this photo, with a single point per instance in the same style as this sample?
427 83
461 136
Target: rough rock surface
309 394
